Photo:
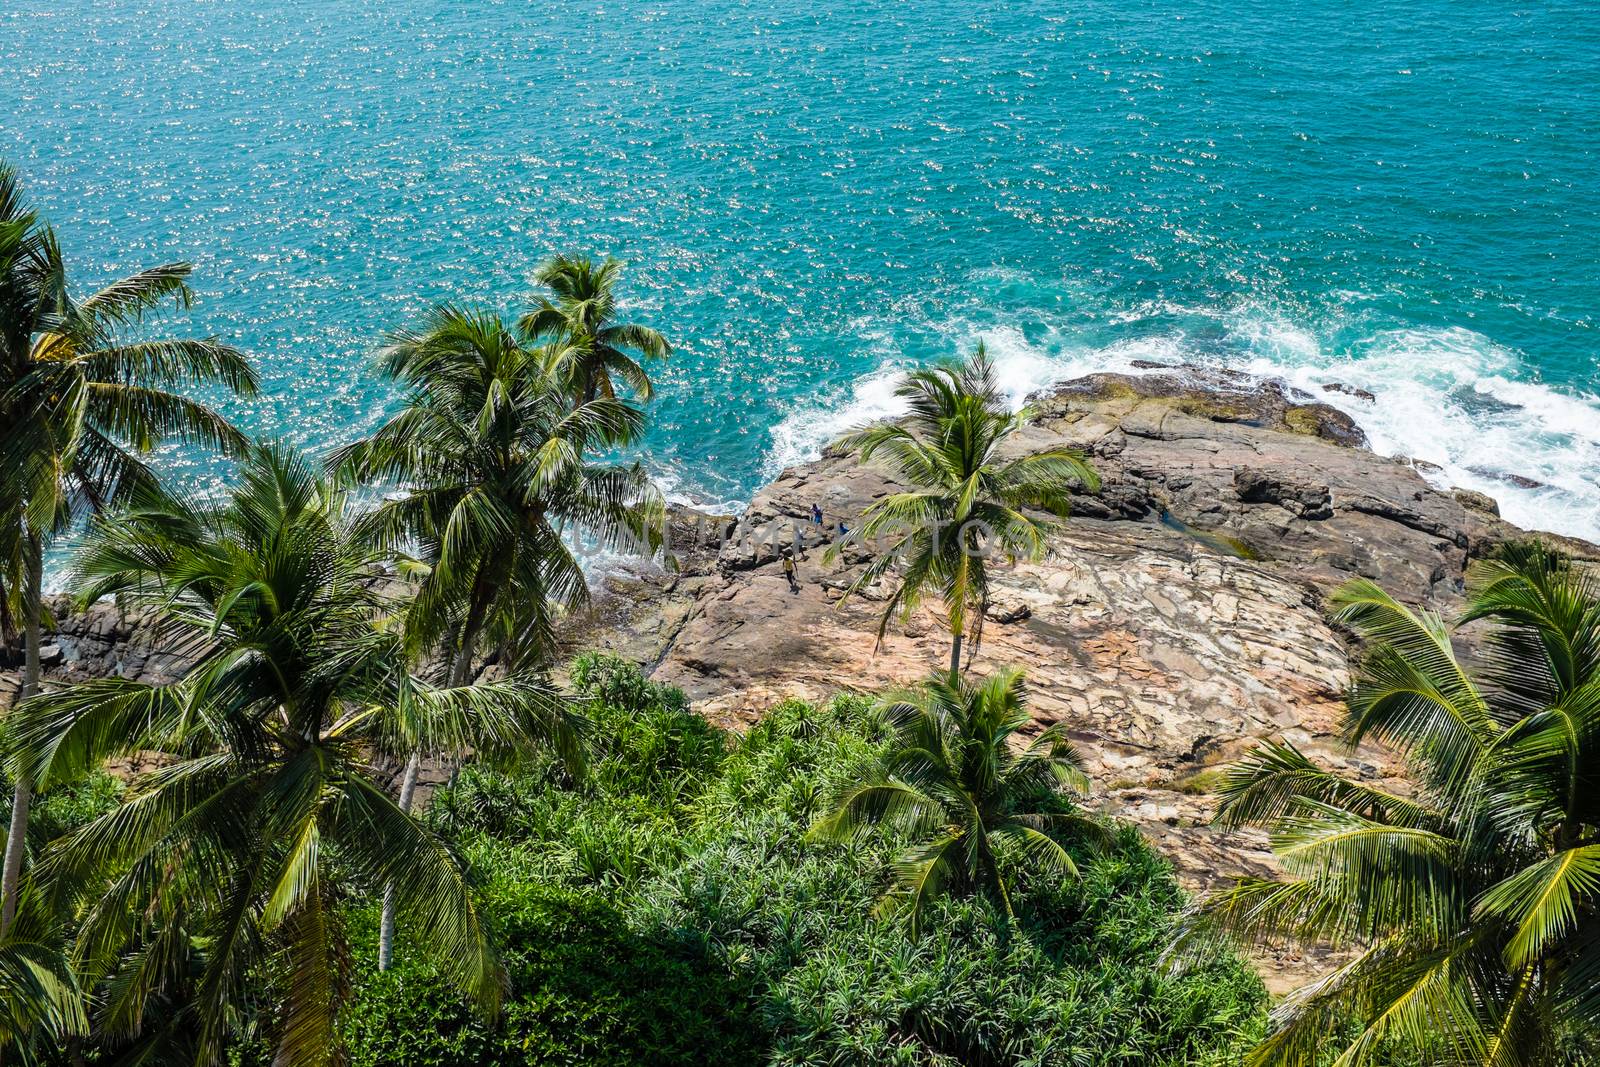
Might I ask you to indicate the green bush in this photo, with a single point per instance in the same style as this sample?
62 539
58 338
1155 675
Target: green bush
616 682
587 991
669 909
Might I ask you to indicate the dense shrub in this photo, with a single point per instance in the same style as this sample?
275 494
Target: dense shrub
588 991
670 910
61 810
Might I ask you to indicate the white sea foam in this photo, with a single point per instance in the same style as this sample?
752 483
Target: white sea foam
1448 396
801 434
1021 369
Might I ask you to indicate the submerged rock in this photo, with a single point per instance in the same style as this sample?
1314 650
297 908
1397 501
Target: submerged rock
1350 390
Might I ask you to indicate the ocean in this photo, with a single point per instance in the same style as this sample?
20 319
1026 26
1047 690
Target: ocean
1404 198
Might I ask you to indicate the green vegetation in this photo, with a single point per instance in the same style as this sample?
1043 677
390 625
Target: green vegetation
673 910
605 877
1472 904
581 321
953 781
968 507
491 446
79 400
225 868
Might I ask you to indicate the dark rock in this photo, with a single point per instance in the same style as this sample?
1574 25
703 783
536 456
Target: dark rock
1310 502
1008 611
1517 480
1349 390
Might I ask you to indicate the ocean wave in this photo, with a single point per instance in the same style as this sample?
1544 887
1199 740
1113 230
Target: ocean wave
1021 369
1453 398
1448 396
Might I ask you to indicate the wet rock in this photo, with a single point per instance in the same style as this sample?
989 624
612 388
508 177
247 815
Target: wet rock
1518 480
1349 390
1476 501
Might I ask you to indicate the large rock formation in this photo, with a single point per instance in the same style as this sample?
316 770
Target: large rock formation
1177 619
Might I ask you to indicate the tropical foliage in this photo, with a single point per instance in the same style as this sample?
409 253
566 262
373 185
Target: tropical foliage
492 451
954 782
970 503
672 910
582 321
80 399
227 864
1473 905
605 877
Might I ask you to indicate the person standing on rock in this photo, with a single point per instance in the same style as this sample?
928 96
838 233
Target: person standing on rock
816 514
788 572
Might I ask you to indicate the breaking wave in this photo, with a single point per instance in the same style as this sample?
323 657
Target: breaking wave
1448 396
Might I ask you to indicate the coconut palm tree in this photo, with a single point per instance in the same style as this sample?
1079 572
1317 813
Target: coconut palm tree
491 452
79 399
1473 905
582 317
229 860
969 501
40 1004
953 778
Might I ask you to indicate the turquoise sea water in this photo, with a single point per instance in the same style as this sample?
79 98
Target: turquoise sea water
1404 198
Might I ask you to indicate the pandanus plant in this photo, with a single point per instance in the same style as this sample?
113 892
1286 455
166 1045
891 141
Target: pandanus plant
1471 905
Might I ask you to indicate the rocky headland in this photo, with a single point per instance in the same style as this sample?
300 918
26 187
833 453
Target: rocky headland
1177 619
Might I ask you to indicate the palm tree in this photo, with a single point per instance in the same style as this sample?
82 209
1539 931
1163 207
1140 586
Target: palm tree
490 449
1474 904
953 779
582 317
40 1004
968 501
78 399
231 858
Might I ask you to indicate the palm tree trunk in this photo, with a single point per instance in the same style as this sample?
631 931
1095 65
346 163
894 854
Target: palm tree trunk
461 671
408 789
955 652
460 674
22 794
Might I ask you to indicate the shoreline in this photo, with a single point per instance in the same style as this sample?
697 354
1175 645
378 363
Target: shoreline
1225 381
1176 621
